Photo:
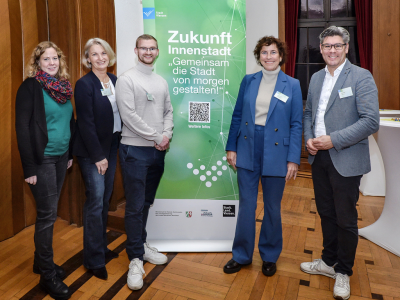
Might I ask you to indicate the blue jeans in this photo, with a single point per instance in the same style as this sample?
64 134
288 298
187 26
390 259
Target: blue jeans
270 242
142 168
50 178
95 210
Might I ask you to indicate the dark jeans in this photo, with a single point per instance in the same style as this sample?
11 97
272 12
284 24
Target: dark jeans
142 168
50 178
336 197
270 242
95 210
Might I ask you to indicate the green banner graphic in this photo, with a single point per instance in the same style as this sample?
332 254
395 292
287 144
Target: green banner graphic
203 58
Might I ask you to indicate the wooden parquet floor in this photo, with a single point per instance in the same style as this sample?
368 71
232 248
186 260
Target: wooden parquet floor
200 275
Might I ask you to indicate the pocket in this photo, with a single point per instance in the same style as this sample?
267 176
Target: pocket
286 141
123 151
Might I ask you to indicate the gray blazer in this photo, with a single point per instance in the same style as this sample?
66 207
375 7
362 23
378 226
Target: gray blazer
349 121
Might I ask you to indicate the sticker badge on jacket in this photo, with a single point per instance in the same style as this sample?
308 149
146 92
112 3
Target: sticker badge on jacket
344 93
281 96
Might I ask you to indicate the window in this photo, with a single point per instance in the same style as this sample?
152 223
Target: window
314 17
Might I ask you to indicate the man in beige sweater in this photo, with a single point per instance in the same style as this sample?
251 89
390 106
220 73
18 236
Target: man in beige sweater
146 112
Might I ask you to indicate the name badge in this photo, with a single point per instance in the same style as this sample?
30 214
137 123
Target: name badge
347 92
149 97
281 96
106 92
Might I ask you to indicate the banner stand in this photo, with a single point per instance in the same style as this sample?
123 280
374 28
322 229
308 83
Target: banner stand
192 245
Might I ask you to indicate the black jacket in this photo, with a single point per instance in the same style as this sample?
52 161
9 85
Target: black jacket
31 126
95 119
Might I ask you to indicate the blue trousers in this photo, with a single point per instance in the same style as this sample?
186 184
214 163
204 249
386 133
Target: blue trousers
270 242
95 210
142 168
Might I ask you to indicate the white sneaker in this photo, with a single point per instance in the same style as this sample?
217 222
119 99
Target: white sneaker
135 274
152 255
318 267
341 289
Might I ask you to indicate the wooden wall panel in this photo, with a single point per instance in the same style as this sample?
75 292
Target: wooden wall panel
386 62
16 58
5 124
42 20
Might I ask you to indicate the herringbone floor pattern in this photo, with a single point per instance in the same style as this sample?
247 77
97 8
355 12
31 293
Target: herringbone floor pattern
200 275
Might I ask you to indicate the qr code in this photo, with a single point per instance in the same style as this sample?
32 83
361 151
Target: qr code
199 112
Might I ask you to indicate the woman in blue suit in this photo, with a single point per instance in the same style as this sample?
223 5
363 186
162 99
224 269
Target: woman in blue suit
96 144
264 142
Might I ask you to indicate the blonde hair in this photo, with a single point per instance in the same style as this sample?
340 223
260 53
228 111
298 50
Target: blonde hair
104 44
33 65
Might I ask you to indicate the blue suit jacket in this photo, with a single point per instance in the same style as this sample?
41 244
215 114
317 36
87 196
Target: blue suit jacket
283 128
95 119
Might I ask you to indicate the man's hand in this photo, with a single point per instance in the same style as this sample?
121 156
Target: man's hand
164 145
231 157
102 166
311 148
31 180
291 171
323 142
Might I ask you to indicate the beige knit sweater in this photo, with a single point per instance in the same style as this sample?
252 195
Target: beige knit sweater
144 121
265 91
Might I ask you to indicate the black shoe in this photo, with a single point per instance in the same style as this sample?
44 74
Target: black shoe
111 254
59 271
99 273
55 288
232 267
268 268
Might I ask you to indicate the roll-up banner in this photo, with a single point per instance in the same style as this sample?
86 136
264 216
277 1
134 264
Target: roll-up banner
203 58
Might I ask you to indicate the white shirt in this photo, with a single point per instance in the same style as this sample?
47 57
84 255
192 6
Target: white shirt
117 118
329 83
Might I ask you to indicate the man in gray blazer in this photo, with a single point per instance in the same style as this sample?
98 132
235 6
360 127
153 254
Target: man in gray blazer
342 110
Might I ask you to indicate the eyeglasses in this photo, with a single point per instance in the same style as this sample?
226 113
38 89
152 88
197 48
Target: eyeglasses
145 49
329 46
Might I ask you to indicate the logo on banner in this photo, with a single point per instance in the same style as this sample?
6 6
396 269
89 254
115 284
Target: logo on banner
228 210
149 13
188 214
206 213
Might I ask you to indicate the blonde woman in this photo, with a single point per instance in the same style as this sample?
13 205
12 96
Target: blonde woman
44 123
96 143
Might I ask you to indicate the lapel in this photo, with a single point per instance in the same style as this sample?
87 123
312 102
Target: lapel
315 100
339 84
96 82
279 87
253 92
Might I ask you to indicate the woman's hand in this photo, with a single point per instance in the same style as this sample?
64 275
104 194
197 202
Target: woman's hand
69 163
231 157
31 180
102 166
291 170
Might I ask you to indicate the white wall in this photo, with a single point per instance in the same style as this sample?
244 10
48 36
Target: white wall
261 20
129 25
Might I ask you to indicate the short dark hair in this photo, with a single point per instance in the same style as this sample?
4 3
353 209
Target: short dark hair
145 37
268 41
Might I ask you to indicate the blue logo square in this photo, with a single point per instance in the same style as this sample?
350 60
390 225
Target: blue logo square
149 13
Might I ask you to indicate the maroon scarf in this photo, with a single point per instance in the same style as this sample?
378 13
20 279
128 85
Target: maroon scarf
59 90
